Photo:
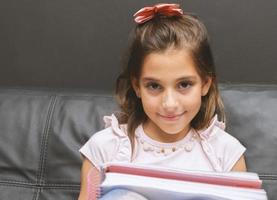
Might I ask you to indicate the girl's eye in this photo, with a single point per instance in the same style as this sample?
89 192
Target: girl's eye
184 85
153 86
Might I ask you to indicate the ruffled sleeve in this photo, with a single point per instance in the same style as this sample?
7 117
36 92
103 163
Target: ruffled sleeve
222 149
124 149
109 145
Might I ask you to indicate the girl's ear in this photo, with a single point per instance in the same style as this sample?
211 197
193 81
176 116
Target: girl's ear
135 85
206 86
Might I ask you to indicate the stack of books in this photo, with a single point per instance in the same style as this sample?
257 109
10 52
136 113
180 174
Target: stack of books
156 183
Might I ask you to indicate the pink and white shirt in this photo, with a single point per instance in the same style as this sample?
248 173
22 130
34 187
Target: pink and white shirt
211 149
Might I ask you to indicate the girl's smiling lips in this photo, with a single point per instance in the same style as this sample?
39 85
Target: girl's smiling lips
171 117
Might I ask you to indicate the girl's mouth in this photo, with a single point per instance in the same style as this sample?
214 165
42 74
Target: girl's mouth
171 117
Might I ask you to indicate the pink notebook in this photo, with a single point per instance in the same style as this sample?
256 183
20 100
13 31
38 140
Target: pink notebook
235 179
156 183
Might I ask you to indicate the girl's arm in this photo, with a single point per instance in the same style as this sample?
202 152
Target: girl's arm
240 165
87 166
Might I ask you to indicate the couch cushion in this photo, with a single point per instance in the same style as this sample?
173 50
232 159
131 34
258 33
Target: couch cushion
41 133
251 117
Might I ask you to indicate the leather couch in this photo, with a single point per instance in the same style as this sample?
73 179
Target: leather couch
41 131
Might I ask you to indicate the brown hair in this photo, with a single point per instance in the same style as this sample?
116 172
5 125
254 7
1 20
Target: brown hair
158 35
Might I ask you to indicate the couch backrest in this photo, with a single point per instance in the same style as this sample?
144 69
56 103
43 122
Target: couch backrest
41 132
251 114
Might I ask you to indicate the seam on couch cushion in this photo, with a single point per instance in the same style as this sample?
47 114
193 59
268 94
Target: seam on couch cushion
268 176
43 150
61 186
44 141
36 194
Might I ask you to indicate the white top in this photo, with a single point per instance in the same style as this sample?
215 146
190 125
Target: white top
211 149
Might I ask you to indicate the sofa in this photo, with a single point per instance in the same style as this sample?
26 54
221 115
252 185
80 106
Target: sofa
41 131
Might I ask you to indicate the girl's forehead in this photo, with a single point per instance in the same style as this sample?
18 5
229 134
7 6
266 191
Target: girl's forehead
168 64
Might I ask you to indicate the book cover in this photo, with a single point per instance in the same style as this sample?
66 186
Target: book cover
157 183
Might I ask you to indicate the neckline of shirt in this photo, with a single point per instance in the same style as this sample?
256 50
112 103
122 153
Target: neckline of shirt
140 134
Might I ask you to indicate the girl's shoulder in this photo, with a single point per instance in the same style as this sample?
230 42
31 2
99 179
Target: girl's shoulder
222 148
112 131
108 145
215 133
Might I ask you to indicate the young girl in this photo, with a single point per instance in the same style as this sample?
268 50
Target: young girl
172 114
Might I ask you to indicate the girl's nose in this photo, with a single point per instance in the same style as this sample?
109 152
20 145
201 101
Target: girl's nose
169 101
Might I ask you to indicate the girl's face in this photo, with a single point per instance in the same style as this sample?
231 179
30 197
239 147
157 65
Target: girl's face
170 90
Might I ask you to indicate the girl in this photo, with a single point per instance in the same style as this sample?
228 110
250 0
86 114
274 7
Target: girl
172 114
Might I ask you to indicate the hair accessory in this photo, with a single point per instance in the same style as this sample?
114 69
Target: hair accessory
147 13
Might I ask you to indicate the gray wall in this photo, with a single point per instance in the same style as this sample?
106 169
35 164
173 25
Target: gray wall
79 43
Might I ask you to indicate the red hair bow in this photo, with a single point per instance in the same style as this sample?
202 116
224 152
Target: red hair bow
147 13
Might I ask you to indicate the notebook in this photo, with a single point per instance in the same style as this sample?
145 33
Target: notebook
156 183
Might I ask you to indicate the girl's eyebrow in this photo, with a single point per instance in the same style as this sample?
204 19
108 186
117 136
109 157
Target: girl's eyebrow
145 79
189 78
183 78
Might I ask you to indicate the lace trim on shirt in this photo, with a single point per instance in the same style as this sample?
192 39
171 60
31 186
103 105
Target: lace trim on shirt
151 145
205 135
124 147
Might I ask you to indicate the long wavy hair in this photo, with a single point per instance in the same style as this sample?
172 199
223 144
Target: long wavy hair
156 36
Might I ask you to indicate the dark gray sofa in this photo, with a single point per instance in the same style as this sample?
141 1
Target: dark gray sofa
42 130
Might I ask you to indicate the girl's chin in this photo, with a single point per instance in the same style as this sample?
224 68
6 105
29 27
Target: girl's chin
169 128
